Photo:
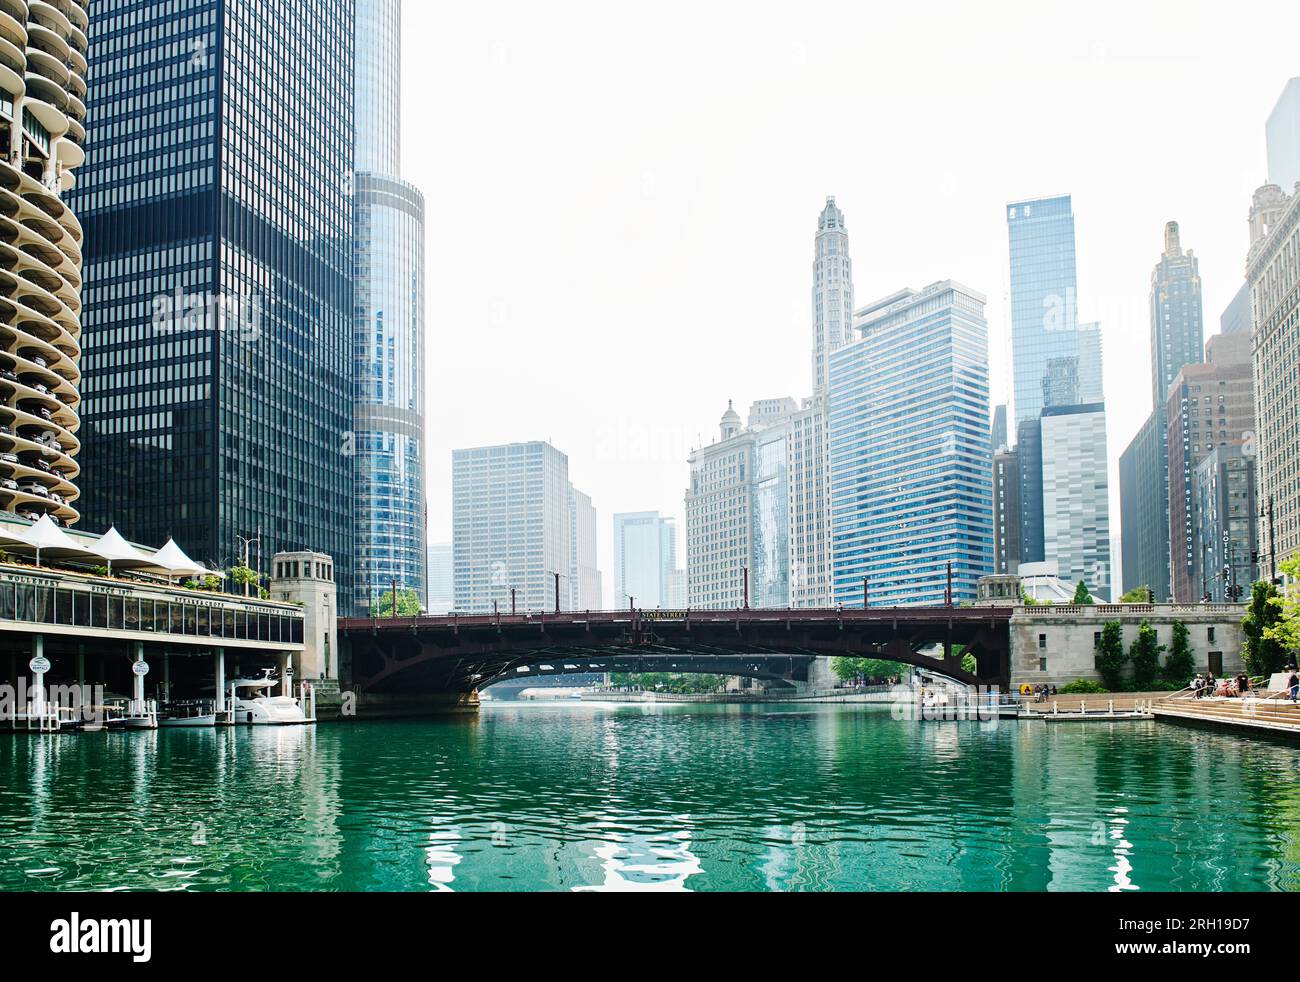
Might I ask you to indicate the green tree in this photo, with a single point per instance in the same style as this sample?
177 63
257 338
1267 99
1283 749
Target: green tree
408 604
845 669
1264 652
1082 596
1180 664
1110 655
209 584
1286 630
866 669
245 577
1145 655
1138 595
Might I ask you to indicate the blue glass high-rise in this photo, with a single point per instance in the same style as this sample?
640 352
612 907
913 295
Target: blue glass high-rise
910 457
1044 304
388 340
217 326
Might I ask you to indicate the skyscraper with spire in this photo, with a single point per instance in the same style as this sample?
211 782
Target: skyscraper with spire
809 457
388 340
1177 315
832 291
1177 340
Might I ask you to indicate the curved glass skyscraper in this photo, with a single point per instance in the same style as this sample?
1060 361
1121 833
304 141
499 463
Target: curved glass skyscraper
388 334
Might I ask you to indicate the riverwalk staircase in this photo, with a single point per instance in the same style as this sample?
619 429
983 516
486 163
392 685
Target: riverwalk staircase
1262 712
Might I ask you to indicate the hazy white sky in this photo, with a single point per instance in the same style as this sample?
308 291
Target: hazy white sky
622 198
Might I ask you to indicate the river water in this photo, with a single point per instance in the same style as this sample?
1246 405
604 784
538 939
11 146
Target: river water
590 797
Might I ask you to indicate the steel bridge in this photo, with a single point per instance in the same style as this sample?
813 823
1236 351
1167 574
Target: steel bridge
463 654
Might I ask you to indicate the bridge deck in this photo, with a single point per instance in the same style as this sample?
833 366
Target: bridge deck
463 652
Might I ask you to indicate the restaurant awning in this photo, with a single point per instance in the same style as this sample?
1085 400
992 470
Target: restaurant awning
49 540
116 551
172 559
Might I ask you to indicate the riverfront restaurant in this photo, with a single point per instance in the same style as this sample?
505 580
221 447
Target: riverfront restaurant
98 611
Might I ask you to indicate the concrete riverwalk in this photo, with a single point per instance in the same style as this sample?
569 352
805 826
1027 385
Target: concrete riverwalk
1275 715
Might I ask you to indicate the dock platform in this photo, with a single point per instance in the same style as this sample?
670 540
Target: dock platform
1275 715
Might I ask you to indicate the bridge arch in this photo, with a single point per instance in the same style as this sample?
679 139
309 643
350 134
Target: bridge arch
453 654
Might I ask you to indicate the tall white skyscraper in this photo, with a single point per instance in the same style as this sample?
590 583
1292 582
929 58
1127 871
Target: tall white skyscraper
585 587
517 522
1284 139
808 461
808 472
832 291
442 598
645 557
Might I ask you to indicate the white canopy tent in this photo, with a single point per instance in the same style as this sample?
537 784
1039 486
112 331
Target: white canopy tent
173 561
11 537
46 537
116 551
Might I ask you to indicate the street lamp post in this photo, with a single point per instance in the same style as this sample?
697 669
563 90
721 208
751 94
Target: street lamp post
247 543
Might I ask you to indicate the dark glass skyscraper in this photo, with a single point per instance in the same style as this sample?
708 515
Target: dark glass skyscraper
216 200
1177 315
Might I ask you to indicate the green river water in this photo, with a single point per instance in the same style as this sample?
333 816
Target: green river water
591 797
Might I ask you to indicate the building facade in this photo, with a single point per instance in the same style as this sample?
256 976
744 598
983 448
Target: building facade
808 472
1076 495
645 557
1057 377
585 586
1177 315
1044 304
511 527
1144 508
388 342
1177 339
1225 526
1274 276
1283 133
911 466
738 506
719 516
1236 318
1210 405
1057 645
1006 511
442 596
832 291
217 330
1029 460
42 130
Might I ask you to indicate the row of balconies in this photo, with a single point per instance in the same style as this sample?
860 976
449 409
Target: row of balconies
43 69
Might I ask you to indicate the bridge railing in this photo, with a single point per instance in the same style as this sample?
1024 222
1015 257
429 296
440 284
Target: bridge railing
753 615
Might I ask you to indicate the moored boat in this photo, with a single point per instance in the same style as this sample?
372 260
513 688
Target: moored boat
252 704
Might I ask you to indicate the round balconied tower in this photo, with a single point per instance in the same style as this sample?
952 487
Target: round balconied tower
43 50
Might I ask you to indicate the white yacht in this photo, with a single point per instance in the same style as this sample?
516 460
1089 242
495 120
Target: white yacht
253 704
188 715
